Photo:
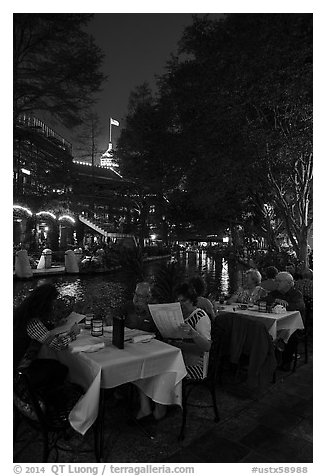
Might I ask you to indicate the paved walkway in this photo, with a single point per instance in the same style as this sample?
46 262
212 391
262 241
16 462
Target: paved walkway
275 426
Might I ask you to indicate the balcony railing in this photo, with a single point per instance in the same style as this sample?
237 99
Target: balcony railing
40 127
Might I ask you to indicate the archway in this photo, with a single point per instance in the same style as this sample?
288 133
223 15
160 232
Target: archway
67 231
23 225
47 230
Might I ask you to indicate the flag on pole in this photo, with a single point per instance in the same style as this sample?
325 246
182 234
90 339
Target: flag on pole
114 122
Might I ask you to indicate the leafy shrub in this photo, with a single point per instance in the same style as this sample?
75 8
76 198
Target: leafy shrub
168 276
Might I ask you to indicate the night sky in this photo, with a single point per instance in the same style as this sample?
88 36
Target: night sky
136 47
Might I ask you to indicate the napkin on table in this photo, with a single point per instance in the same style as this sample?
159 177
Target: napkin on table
142 338
86 343
87 347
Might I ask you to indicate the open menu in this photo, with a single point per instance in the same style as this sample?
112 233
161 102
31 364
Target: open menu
73 318
168 318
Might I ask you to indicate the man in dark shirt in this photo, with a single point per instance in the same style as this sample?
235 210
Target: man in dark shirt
292 299
286 294
137 312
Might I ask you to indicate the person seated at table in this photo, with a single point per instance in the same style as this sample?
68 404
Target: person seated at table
199 285
136 312
292 300
304 284
34 318
196 329
269 284
286 294
195 345
251 292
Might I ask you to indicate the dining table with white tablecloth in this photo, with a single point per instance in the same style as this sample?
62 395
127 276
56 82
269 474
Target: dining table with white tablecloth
246 330
155 367
288 321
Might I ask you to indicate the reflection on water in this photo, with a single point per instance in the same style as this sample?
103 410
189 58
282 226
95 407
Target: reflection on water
111 287
217 271
225 277
116 288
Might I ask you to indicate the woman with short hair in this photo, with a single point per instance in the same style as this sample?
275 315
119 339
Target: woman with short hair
251 292
195 344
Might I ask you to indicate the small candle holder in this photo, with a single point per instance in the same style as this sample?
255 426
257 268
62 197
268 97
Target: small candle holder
97 327
88 320
262 306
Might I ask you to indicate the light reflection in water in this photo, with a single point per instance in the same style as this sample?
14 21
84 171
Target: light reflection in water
116 288
225 277
204 259
216 271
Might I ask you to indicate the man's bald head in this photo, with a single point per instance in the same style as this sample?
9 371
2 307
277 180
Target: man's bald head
284 281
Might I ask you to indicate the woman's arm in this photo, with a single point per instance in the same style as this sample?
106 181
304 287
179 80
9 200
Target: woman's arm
200 335
202 342
188 347
36 330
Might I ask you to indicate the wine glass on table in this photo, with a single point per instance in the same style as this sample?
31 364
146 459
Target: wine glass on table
251 302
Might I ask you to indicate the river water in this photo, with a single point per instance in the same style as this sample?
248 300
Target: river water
108 291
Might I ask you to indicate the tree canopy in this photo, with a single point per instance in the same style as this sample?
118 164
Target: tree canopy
235 122
56 65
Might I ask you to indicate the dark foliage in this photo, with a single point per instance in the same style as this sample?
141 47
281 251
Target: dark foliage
56 65
167 278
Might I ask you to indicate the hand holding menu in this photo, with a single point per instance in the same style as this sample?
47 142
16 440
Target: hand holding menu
72 319
167 318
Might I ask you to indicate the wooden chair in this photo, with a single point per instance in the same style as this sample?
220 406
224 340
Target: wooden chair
302 335
189 384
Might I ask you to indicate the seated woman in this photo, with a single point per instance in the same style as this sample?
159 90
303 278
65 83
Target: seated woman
251 292
33 320
195 345
199 285
196 342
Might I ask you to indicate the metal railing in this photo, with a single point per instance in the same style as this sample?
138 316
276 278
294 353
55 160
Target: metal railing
40 127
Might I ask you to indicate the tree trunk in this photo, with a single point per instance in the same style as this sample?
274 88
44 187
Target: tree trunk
143 226
235 236
303 248
80 230
270 235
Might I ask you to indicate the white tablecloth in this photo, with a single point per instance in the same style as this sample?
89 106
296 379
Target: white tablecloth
155 367
289 321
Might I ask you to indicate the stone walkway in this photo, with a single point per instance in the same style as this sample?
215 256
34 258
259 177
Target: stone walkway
275 426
